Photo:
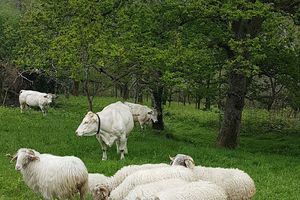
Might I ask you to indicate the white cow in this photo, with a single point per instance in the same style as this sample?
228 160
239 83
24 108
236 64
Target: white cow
142 114
34 99
113 123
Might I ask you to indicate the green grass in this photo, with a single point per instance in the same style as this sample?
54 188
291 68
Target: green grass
269 150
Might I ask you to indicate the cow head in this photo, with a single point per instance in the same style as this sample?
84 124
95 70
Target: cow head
88 126
153 115
24 157
48 98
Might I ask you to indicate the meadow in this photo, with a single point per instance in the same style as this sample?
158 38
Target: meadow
269 149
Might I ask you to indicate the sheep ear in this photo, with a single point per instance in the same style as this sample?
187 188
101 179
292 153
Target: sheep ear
171 158
13 158
33 157
189 164
104 191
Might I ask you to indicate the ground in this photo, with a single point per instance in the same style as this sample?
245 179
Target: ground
269 149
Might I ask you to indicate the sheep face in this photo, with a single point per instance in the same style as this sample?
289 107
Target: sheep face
88 126
24 157
100 192
183 160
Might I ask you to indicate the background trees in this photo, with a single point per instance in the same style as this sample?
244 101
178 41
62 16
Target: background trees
216 52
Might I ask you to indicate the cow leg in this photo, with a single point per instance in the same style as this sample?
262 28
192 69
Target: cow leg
123 146
103 147
118 146
22 106
43 109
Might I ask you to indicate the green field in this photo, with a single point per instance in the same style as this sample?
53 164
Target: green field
269 149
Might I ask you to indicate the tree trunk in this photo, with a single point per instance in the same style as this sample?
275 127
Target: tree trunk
207 99
89 98
125 91
235 100
157 98
75 91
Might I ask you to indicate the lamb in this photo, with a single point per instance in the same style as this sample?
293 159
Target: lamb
147 191
52 176
236 183
200 190
100 191
148 176
34 99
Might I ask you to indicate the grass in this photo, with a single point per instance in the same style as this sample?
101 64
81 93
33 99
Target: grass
269 150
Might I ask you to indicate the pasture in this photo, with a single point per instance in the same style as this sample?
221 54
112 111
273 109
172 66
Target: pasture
269 152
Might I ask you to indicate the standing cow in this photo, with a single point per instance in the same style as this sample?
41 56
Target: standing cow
142 114
113 123
34 99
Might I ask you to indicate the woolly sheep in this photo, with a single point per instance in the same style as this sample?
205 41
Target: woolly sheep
147 191
118 178
148 176
236 183
97 179
200 190
52 176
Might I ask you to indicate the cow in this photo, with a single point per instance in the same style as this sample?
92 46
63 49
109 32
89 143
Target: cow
34 99
142 114
112 124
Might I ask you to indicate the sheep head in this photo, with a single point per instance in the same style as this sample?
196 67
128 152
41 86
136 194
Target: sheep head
183 160
100 192
24 157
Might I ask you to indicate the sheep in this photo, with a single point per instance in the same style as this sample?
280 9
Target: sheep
147 191
95 179
52 176
148 176
200 190
102 190
236 183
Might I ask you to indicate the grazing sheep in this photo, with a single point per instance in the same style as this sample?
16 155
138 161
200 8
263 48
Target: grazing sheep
118 178
147 191
52 176
236 183
148 176
200 190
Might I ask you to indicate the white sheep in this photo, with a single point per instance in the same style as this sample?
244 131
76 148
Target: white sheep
200 190
102 190
52 176
147 191
236 183
148 176
97 179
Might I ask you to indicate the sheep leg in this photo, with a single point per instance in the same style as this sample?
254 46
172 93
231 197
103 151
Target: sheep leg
103 147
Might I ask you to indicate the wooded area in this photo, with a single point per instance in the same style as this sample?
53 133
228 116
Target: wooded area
222 53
